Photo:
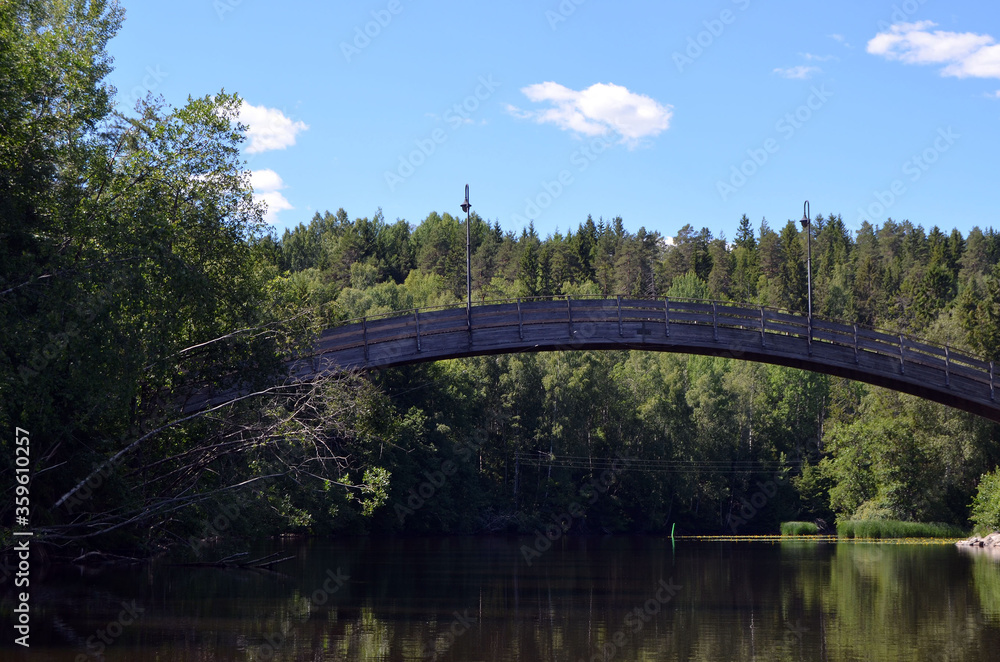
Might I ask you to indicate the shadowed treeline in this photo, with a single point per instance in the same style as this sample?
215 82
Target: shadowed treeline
136 273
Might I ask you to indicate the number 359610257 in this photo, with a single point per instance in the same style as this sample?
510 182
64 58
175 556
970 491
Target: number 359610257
22 452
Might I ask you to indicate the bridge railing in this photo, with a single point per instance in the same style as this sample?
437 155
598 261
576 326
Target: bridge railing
663 312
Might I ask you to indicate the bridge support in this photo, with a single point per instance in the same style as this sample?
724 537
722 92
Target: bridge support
666 316
621 331
902 364
569 315
364 332
763 342
416 322
947 367
520 320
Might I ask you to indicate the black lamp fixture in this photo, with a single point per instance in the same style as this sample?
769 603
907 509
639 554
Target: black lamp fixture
806 225
466 207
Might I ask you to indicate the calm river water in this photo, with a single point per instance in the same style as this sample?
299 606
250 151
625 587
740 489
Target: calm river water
479 599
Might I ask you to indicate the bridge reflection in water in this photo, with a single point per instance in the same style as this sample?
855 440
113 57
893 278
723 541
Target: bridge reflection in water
739 331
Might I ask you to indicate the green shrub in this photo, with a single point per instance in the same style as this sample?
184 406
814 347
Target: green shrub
799 529
986 504
877 529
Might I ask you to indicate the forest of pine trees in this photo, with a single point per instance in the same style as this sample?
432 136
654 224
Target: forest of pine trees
841 449
137 274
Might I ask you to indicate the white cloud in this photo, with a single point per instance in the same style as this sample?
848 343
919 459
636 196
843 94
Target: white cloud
818 58
799 72
269 128
984 63
964 54
266 180
840 39
275 202
598 110
993 95
267 185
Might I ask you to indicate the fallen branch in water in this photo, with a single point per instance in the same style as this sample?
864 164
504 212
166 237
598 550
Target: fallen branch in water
98 558
264 562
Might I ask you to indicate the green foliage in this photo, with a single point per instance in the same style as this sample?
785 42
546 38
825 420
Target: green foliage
986 504
813 485
881 529
688 286
987 582
375 489
136 274
979 310
851 450
799 529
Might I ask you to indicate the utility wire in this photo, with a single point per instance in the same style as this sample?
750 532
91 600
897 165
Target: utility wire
650 465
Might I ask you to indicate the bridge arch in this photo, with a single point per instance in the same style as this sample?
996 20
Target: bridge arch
739 331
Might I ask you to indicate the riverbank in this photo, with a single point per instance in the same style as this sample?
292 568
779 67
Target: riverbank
992 541
878 529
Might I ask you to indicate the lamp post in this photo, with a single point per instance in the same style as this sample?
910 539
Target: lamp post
468 259
806 226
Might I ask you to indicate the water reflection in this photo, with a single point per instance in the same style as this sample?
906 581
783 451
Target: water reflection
583 599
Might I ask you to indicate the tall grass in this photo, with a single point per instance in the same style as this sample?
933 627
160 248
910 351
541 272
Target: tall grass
799 529
894 529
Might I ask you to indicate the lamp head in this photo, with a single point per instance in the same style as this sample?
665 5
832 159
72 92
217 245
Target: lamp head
465 205
805 215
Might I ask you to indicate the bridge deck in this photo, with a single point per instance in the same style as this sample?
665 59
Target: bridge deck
672 325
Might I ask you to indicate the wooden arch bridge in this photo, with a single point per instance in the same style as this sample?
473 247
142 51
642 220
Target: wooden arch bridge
715 328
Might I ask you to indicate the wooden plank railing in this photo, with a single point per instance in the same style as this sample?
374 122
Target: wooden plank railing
660 313
721 328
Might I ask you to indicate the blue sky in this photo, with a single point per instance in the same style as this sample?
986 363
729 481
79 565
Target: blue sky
664 113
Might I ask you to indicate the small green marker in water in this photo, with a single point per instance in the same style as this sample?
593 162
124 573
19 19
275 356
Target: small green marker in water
672 531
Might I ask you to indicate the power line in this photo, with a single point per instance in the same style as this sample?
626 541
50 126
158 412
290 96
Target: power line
542 459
